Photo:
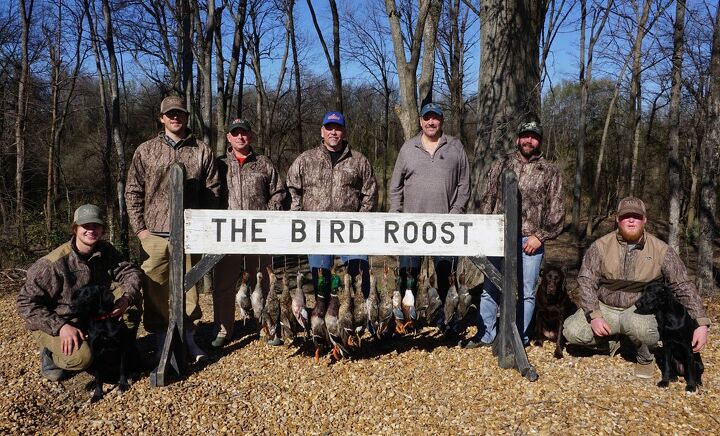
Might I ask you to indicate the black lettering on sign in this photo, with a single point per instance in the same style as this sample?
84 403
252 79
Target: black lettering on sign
428 228
336 228
357 231
449 237
234 230
391 227
465 227
411 226
317 231
256 230
298 231
219 222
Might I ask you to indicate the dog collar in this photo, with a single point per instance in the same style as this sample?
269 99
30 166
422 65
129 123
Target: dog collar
103 317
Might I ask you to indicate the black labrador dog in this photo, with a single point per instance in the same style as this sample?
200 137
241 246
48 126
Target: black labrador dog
676 329
553 306
110 340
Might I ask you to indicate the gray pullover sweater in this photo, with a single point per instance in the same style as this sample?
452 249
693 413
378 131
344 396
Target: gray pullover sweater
422 183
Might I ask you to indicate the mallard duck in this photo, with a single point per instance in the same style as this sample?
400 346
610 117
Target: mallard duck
372 305
451 302
318 330
257 299
359 313
298 304
408 305
289 324
331 323
345 317
434 302
397 306
385 310
464 299
242 297
421 298
270 319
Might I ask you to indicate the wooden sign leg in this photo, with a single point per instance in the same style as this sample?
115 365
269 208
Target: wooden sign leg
173 352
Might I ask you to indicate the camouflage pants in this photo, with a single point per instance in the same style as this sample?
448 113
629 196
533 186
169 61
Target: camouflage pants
642 330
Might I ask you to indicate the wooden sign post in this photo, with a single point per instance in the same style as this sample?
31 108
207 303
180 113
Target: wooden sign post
219 232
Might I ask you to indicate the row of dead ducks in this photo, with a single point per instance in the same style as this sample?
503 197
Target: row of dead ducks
339 322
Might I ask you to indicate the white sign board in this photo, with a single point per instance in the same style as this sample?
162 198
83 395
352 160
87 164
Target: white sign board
288 232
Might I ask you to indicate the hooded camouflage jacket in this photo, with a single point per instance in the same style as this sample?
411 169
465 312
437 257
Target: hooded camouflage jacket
44 301
614 273
542 206
315 185
256 185
147 193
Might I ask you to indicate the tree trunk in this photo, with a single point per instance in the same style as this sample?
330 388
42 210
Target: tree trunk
407 112
334 62
26 7
674 166
427 70
296 72
709 172
203 53
186 52
509 84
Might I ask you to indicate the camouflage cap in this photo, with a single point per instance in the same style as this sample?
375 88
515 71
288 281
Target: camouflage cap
531 126
88 213
239 123
630 205
172 103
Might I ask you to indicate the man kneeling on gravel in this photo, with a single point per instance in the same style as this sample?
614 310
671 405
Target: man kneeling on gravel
614 272
44 300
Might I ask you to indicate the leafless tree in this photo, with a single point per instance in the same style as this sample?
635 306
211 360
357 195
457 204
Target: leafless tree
674 124
26 11
334 61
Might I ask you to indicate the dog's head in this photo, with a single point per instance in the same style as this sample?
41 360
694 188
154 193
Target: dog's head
552 280
91 301
654 297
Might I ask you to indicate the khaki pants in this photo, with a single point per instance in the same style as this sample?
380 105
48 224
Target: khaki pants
642 330
225 281
156 285
81 358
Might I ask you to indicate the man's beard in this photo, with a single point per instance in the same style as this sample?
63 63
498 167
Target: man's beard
633 235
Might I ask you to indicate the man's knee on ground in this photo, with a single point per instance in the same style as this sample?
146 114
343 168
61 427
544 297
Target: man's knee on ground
577 330
80 360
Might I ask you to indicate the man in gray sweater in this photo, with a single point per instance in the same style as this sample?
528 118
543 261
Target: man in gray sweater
431 175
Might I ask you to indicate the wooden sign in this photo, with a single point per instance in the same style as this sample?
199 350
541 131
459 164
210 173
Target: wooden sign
287 232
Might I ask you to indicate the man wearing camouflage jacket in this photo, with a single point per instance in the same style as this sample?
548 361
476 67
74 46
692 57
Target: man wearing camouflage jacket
333 177
148 201
250 182
542 217
614 271
44 301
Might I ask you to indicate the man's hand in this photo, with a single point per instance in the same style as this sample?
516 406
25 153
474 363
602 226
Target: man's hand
531 245
142 234
70 339
121 306
699 338
600 327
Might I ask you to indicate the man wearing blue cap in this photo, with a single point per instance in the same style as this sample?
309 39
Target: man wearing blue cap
333 177
431 175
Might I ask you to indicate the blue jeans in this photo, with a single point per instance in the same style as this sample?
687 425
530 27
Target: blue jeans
326 261
487 315
444 266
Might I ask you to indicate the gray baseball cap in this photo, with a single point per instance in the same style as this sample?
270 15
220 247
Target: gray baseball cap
89 213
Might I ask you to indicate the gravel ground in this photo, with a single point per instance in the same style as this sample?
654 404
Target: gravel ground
414 385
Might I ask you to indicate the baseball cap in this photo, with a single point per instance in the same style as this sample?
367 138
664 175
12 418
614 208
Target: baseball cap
334 117
172 103
431 107
239 123
88 213
531 126
630 205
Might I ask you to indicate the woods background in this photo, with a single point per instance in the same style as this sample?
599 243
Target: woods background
81 82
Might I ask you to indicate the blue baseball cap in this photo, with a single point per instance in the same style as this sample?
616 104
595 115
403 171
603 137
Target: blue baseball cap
431 107
333 117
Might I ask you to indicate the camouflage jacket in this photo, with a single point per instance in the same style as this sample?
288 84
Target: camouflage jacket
315 185
256 185
44 301
542 206
147 192
615 274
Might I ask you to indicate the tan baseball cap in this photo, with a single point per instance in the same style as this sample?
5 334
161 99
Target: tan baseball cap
630 205
172 102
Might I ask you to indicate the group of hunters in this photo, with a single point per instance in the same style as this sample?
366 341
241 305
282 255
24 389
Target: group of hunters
431 175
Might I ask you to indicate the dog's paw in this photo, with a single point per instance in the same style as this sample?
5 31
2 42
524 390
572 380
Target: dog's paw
123 386
690 389
558 354
96 397
663 383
